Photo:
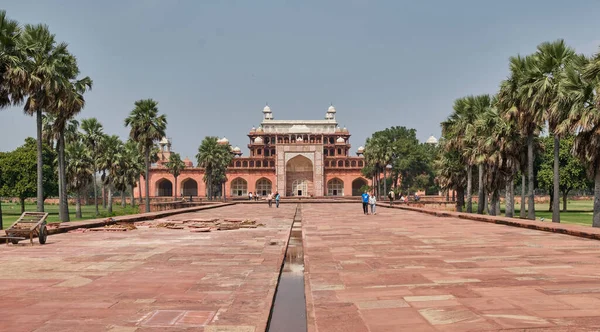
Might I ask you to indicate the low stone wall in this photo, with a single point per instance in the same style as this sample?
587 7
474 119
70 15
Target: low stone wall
548 226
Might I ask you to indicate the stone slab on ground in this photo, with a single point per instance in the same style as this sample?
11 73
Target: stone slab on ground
402 270
148 279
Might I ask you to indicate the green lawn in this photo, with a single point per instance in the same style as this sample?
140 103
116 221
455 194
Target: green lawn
11 212
579 212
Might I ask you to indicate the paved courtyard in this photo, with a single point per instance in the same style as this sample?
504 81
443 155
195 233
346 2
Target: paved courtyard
394 271
152 279
406 271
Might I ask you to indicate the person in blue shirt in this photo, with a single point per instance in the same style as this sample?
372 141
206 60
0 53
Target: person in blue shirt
365 202
277 199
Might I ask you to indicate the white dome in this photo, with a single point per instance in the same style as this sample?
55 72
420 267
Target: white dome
267 109
361 149
345 130
331 109
236 149
340 140
431 140
164 140
259 129
252 130
223 140
338 129
258 140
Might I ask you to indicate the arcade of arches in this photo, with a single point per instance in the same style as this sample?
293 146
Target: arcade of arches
164 188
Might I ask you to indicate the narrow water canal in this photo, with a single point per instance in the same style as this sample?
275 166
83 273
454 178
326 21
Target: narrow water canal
289 309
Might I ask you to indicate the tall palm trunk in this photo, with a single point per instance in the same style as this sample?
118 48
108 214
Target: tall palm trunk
596 219
22 205
530 193
95 183
110 200
132 197
469 188
140 191
62 179
147 177
384 181
104 194
481 191
523 211
556 201
1 227
123 202
508 198
565 202
175 190
494 199
460 201
40 165
78 205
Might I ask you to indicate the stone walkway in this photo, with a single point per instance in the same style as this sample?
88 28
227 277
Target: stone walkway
407 271
151 279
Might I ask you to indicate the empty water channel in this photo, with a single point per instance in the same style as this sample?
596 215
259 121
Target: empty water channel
288 313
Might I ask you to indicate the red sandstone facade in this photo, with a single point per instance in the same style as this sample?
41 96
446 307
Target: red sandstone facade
309 158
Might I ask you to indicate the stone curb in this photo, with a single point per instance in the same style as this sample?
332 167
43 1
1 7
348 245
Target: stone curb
587 232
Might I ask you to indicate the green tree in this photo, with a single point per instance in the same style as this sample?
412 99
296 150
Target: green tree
112 162
68 103
79 170
44 72
147 127
581 82
214 158
451 174
551 60
11 58
514 100
92 136
19 170
572 170
175 166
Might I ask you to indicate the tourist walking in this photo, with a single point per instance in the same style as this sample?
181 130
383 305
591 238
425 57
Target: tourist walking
391 196
270 199
277 199
372 202
365 202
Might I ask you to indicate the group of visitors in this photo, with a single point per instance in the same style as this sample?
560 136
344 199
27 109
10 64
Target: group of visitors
269 198
272 196
255 196
402 199
369 199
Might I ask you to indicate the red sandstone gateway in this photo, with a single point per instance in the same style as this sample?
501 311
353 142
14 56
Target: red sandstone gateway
306 158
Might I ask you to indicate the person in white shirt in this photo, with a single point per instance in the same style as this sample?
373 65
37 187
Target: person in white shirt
250 196
372 202
270 199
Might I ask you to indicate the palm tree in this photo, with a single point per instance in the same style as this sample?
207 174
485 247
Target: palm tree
135 167
92 136
581 87
450 171
175 165
214 158
11 61
44 72
515 102
69 103
111 162
551 60
147 127
79 170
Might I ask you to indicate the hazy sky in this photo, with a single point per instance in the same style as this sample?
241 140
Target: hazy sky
212 65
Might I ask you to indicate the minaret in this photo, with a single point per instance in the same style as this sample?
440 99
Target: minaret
268 115
330 115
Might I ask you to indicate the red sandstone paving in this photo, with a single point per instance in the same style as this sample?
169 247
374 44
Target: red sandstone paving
407 271
149 279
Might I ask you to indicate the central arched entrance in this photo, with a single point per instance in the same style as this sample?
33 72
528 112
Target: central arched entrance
299 177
